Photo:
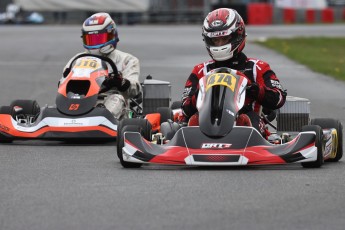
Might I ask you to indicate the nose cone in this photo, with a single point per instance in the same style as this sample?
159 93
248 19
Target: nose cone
216 117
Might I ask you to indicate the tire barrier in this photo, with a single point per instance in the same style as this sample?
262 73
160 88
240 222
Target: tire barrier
265 14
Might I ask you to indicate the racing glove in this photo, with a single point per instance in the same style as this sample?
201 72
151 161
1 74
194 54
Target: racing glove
117 81
253 91
66 72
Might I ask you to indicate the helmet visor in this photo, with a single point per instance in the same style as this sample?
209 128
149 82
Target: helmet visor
97 39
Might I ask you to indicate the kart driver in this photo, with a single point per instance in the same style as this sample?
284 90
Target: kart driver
224 35
100 37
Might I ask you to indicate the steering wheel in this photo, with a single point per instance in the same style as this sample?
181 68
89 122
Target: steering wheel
103 58
106 59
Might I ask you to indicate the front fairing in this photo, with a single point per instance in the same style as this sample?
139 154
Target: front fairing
79 92
242 146
220 98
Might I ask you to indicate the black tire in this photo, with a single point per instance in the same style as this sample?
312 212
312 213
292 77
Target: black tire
30 107
326 123
318 143
5 141
143 123
176 105
121 144
144 127
6 110
166 114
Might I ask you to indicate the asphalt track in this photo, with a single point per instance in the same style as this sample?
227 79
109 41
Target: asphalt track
53 185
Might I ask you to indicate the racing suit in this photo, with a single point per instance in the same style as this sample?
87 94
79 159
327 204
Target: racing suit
116 99
267 95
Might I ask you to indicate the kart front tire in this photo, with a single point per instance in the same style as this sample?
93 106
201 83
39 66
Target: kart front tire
30 107
143 123
121 144
6 110
327 123
318 143
145 130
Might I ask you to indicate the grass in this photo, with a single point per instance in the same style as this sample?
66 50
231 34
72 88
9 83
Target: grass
320 54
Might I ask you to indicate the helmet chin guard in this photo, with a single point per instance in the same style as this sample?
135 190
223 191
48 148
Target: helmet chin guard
221 53
104 51
107 49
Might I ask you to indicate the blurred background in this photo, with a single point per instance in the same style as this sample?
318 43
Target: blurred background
254 12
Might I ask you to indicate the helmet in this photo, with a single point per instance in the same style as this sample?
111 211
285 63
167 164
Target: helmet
224 34
99 34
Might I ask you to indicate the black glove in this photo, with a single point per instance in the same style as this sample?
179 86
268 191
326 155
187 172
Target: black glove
66 72
117 81
252 91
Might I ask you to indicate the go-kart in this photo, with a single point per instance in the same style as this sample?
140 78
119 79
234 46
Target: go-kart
75 114
219 141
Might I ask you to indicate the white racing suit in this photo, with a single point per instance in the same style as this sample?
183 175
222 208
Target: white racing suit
115 101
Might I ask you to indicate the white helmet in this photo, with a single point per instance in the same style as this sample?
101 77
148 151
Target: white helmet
224 24
99 34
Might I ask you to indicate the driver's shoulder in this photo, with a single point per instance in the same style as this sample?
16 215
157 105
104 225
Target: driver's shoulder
200 68
257 62
120 56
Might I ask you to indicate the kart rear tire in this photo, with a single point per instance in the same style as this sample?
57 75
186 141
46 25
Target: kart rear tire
176 105
318 143
166 114
145 130
30 107
326 123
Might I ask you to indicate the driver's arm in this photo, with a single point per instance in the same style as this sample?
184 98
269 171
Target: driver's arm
274 96
271 94
129 68
190 93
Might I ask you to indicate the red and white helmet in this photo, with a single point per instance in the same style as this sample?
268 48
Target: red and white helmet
226 25
99 34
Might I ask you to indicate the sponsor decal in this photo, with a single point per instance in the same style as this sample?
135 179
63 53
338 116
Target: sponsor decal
76 96
186 91
230 112
219 33
215 146
74 107
73 122
276 84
